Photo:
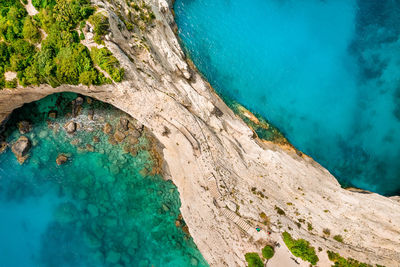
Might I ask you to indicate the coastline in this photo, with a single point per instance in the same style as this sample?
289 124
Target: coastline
214 158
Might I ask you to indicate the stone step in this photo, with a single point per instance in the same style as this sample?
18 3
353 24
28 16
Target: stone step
237 220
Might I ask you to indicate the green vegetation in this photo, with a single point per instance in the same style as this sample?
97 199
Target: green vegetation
61 59
338 238
300 248
100 26
107 62
279 210
268 252
253 260
326 231
339 261
309 226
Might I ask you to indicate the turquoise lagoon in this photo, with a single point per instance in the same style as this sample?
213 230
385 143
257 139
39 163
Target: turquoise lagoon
101 208
325 72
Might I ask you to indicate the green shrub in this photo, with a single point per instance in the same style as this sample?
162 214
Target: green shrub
100 26
300 248
253 260
338 238
11 84
279 210
339 261
268 252
107 62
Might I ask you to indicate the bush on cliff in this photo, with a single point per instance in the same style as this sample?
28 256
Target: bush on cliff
300 248
253 260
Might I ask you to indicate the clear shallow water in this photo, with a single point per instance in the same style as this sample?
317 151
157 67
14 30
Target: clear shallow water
101 208
325 72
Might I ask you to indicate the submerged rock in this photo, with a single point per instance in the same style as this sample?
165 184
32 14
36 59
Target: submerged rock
124 124
21 148
89 147
52 114
96 139
119 136
93 210
24 127
70 127
61 159
113 257
107 129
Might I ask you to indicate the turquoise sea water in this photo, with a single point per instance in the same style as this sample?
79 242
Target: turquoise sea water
101 208
325 72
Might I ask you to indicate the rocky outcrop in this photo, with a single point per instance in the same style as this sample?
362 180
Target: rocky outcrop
21 148
216 161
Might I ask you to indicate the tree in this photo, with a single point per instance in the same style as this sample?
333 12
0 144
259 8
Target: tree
268 252
30 31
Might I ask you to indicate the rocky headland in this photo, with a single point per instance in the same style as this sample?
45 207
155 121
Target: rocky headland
229 180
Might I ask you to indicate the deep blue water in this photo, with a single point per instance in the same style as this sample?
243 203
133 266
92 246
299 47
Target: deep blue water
101 208
325 72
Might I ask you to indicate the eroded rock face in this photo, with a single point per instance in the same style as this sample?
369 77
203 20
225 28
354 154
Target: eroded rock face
21 148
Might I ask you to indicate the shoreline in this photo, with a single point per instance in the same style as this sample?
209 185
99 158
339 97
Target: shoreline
214 160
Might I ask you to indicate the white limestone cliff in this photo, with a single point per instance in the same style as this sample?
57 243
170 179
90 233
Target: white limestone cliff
226 176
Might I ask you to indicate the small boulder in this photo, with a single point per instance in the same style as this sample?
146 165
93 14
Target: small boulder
61 159
70 127
96 139
52 114
89 147
3 146
124 124
119 136
79 101
91 114
107 129
21 148
24 127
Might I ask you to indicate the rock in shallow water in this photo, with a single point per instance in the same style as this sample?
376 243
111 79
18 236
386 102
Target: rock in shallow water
21 148
119 136
3 146
61 159
107 129
70 127
24 127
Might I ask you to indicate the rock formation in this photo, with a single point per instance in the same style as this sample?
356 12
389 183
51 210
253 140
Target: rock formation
229 180
21 148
